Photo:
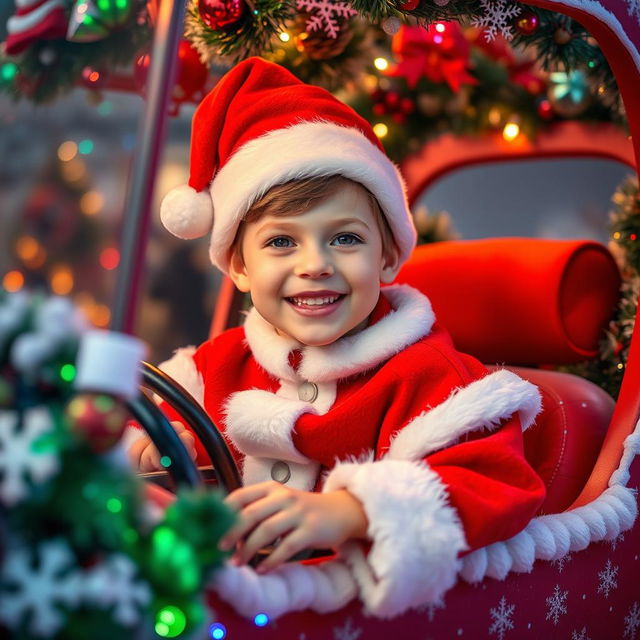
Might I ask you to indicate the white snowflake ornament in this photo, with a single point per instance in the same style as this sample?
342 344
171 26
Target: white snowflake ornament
326 15
496 18
346 631
18 459
37 592
112 584
580 635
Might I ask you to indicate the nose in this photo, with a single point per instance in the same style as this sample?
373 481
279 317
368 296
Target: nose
314 262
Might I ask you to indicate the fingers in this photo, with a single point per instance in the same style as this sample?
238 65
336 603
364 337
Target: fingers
150 459
266 533
295 542
186 437
251 516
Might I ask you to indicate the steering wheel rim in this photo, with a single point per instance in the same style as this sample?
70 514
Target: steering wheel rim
193 414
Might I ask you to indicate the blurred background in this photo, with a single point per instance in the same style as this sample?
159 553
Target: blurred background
64 166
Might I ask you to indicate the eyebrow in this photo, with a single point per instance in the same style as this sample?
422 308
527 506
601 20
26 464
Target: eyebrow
277 225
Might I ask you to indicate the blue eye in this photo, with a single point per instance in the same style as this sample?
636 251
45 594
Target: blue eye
346 240
280 242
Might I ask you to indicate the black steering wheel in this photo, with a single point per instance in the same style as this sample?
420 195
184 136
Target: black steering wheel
181 469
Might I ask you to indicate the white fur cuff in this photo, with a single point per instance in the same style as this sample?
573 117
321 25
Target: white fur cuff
416 535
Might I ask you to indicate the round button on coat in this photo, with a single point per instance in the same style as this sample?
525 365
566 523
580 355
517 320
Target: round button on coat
308 391
280 472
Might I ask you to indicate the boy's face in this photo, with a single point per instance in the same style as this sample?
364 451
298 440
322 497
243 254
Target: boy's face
316 276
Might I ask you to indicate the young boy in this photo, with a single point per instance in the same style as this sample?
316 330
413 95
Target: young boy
358 425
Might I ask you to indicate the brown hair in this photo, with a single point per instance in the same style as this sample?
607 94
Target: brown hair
297 196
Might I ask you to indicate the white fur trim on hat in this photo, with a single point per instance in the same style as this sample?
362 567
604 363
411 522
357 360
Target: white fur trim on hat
306 150
187 213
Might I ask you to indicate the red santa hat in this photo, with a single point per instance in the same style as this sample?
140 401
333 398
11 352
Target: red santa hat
259 127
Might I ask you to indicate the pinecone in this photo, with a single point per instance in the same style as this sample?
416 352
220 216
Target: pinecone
316 45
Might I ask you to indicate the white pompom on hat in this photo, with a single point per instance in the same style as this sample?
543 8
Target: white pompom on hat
259 127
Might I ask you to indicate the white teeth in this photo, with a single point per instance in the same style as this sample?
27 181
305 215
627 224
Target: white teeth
311 302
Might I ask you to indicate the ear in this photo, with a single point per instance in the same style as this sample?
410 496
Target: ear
390 264
238 272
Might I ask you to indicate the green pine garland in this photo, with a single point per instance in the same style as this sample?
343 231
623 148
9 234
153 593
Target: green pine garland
93 507
251 35
48 69
607 370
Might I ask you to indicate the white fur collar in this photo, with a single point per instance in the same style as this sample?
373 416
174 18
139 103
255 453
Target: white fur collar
411 319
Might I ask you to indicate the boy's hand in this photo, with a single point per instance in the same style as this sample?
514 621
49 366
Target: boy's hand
301 519
145 456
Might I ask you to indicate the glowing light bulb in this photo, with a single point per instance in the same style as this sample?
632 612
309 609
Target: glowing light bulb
511 131
67 151
284 36
261 620
440 27
217 631
381 64
380 129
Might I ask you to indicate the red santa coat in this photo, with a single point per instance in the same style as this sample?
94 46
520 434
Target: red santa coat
422 435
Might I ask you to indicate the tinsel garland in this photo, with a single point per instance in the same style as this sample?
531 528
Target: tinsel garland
608 369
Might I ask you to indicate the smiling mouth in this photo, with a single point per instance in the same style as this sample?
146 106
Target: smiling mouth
305 302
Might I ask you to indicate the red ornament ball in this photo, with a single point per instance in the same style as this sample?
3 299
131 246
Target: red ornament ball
191 76
141 71
545 110
94 78
100 420
220 14
527 23
409 5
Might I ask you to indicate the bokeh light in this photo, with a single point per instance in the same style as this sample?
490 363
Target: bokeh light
61 280
91 203
380 129
13 281
67 151
261 620
109 258
511 131
381 64
218 631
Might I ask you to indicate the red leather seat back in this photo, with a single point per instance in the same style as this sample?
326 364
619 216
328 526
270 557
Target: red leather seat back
563 444
522 301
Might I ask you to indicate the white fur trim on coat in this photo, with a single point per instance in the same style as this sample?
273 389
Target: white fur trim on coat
411 319
182 369
260 423
416 534
306 150
551 537
482 404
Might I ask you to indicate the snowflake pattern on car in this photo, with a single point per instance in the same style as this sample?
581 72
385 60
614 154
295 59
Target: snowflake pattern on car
556 604
633 9
607 579
632 621
501 616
